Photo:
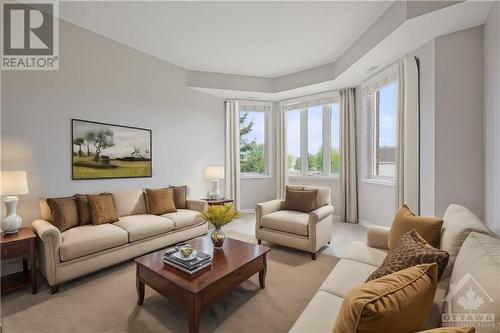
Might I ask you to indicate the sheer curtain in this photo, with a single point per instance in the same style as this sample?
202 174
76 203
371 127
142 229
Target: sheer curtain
348 173
232 165
408 145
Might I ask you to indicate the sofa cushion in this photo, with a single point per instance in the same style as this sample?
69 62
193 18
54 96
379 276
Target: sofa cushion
287 221
87 239
411 250
476 275
300 200
323 197
129 202
450 330
427 227
144 226
346 275
359 251
398 302
64 212
319 315
160 201
458 223
184 218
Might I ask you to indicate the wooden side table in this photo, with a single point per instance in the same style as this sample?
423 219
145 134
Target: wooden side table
217 202
19 245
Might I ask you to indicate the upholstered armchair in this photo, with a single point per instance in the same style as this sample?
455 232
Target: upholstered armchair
303 231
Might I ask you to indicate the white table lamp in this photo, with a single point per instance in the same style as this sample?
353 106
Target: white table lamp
214 173
13 183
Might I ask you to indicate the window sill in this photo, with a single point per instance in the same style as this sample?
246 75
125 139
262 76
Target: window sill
383 182
254 176
316 177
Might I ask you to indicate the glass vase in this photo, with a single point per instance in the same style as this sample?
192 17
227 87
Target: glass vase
218 238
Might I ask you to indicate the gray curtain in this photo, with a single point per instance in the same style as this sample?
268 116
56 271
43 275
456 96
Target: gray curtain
348 170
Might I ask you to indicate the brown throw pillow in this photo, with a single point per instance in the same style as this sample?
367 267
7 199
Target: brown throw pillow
64 212
161 201
427 227
300 200
450 330
396 303
180 196
102 209
411 250
83 205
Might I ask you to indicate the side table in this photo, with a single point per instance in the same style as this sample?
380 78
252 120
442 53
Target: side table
217 202
19 245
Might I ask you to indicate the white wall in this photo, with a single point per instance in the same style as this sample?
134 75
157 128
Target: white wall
492 119
102 80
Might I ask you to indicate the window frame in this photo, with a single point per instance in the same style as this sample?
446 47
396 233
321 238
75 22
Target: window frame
267 138
305 174
370 90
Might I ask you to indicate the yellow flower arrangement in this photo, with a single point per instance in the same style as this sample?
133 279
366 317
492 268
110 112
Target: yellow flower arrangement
219 216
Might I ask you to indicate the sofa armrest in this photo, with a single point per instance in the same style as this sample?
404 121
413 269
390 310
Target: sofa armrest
199 205
48 256
377 237
320 213
47 232
265 208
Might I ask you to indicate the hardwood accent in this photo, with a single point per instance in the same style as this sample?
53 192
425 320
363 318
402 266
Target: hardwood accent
313 256
217 202
19 245
54 289
259 241
231 265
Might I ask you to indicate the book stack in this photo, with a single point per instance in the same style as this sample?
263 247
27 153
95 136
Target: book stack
196 262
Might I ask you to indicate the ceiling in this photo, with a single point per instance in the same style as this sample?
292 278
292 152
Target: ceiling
263 39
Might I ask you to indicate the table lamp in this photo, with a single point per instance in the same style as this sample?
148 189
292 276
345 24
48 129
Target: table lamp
13 183
214 173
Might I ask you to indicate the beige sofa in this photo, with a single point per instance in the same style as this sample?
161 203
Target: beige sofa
63 256
303 231
473 249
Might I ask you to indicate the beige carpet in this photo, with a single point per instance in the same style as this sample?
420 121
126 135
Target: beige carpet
106 301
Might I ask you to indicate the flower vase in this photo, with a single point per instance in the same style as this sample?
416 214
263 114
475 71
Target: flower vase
218 238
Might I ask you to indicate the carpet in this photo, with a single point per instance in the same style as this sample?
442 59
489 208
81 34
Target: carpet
106 301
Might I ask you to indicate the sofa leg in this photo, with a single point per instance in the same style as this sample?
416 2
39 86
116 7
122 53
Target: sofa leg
329 242
259 241
54 289
313 256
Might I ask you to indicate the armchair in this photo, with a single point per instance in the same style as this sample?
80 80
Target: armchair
303 231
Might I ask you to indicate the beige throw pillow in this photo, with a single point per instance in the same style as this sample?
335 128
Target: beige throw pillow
102 209
427 227
396 303
64 212
161 201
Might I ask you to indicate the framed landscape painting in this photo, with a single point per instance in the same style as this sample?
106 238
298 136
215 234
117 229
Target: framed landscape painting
101 151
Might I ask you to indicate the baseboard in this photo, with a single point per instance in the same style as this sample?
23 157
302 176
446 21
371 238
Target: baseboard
366 223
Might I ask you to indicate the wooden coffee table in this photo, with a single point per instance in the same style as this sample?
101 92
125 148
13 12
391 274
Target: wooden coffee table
233 264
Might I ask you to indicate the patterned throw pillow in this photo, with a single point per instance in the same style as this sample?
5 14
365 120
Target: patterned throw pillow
161 201
180 196
411 250
102 209
83 209
64 212
300 200
429 228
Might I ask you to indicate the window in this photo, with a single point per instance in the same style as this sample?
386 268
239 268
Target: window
253 141
381 126
313 139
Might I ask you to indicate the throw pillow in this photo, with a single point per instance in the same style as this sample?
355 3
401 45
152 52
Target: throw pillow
300 200
102 209
83 209
161 201
427 227
399 302
64 212
180 196
411 250
450 330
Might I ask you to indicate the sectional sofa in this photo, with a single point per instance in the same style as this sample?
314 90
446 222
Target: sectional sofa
473 249
85 249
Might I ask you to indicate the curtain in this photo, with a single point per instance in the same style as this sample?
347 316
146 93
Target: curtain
232 164
407 153
281 152
348 173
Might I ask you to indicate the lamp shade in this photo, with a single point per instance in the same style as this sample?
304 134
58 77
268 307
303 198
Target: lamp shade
14 183
214 172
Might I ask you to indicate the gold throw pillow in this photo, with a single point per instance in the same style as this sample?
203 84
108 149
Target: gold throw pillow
64 212
102 209
300 200
427 227
161 201
395 303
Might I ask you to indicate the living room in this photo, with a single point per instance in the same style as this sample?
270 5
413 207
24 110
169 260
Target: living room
351 145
